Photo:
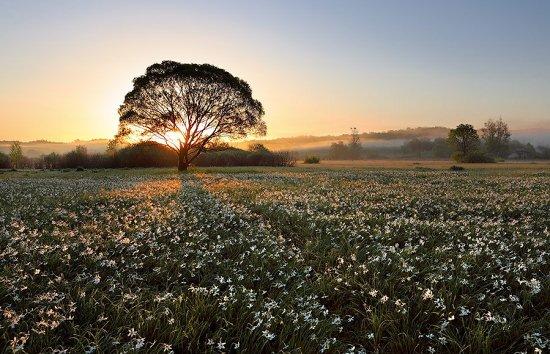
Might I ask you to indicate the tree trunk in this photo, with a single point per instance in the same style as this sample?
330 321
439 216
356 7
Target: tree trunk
182 160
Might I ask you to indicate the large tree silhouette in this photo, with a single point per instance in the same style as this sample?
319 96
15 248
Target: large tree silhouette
186 106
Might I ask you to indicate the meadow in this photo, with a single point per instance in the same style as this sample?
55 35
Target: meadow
330 258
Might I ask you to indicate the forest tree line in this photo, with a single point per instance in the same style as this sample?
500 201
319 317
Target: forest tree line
146 154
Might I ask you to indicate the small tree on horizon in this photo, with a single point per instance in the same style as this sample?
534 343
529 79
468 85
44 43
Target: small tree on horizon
16 154
496 137
355 148
186 106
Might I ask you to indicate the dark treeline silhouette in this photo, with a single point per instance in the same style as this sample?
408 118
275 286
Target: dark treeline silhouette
152 154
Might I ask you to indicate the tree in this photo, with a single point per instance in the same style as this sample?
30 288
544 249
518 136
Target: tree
257 147
185 106
16 154
496 137
523 151
355 148
464 139
544 152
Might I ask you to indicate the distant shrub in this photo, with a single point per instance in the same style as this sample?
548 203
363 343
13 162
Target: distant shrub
456 168
312 159
4 161
472 157
286 158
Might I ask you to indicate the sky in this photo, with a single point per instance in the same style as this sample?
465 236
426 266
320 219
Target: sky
319 67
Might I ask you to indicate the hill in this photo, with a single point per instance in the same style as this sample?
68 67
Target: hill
386 138
36 148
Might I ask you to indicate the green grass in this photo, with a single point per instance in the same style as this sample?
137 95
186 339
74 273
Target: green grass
394 259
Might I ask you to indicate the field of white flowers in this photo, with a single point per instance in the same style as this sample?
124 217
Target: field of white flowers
285 260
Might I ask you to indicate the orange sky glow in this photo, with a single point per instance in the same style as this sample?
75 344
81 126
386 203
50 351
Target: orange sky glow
69 67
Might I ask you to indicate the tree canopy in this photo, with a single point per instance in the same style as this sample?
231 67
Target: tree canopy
496 136
16 154
464 138
187 106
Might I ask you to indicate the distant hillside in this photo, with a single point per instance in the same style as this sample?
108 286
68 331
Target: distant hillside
387 138
40 147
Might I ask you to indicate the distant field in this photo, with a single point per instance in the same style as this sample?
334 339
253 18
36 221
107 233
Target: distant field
436 164
385 256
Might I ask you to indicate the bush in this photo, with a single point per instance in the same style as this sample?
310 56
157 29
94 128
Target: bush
456 168
4 161
286 158
472 157
146 154
238 157
312 159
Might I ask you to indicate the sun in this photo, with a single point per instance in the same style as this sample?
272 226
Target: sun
173 138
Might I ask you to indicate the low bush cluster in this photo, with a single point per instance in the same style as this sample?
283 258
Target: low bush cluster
472 157
237 157
312 160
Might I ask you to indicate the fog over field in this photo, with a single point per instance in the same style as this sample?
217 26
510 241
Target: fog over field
391 138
